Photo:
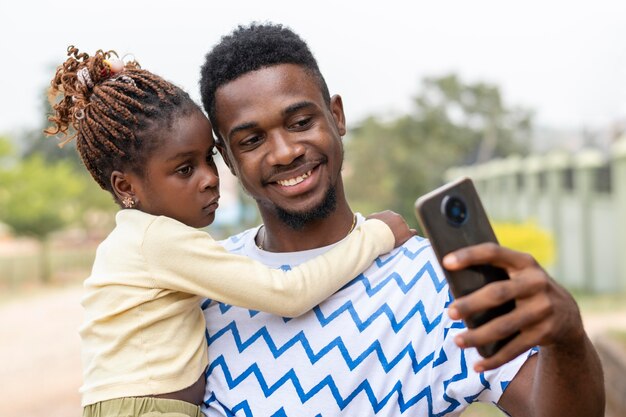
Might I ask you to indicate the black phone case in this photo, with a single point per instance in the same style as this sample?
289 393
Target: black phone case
447 236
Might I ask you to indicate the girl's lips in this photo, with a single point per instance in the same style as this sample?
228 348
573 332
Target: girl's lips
212 206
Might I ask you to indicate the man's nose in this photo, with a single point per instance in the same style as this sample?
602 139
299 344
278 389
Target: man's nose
284 149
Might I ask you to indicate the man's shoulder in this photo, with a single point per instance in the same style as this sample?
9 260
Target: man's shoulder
236 243
413 251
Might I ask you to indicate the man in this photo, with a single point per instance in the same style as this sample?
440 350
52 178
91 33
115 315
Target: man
390 342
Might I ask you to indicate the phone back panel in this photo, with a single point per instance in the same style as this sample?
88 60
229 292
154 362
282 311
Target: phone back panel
447 236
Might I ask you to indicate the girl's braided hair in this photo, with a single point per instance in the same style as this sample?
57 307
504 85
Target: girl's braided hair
117 118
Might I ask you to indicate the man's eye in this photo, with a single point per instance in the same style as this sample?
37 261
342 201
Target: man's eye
300 123
251 140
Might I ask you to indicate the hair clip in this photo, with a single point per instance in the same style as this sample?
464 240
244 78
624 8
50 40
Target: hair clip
112 66
126 79
84 77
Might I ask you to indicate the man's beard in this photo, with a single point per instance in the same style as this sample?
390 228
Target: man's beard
297 220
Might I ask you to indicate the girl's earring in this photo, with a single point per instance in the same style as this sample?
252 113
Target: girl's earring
128 202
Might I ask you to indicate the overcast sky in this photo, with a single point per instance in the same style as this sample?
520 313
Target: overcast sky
564 59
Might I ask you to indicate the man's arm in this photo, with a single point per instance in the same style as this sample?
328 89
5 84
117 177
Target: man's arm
565 377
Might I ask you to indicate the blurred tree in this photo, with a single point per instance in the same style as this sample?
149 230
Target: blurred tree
35 142
6 148
94 201
390 163
39 198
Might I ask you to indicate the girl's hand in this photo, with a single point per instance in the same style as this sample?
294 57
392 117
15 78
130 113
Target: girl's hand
396 223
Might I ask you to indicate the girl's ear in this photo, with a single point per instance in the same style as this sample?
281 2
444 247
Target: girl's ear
122 187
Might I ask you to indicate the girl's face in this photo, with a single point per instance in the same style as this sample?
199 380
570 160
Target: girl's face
180 179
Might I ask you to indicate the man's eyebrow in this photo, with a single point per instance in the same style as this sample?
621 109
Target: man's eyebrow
298 106
243 126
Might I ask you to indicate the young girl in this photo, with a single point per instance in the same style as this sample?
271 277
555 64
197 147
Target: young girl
147 143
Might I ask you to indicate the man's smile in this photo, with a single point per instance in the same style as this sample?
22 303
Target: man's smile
294 181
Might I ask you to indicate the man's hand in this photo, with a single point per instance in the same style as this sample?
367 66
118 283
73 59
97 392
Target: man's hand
545 314
396 223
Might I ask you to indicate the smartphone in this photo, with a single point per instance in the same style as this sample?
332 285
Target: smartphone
453 217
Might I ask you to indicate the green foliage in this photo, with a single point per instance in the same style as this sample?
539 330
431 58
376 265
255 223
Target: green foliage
35 142
6 148
44 188
389 164
47 179
39 198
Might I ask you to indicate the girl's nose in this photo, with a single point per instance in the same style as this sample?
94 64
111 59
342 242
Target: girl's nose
210 177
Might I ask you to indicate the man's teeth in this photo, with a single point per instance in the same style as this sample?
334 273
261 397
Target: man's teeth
294 181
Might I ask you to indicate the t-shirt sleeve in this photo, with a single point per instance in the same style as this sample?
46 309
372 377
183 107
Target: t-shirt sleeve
184 259
461 382
455 384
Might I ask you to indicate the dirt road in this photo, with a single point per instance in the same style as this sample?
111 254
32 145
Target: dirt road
40 355
40 352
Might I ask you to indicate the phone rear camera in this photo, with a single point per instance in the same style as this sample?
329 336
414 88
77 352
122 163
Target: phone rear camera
455 210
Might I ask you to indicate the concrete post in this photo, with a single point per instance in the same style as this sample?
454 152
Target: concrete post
532 167
555 164
511 192
618 154
586 162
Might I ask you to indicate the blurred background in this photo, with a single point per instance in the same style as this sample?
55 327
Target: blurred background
529 99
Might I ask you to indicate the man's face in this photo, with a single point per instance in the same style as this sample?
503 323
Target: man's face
282 140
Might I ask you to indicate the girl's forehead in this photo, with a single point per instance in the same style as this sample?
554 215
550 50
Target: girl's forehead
187 133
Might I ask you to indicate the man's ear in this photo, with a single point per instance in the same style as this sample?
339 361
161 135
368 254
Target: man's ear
122 186
336 108
223 150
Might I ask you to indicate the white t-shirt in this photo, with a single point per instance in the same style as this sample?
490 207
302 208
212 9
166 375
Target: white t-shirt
382 345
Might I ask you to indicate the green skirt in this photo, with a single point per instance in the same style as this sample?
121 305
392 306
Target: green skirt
142 407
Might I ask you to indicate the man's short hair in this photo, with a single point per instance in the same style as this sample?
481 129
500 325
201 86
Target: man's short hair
250 48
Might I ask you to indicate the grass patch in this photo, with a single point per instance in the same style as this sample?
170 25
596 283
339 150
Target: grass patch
482 410
65 265
600 303
619 336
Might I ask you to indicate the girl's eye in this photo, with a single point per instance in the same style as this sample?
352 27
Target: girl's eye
185 171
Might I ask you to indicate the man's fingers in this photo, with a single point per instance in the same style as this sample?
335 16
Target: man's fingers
524 318
487 253
518 345
497 293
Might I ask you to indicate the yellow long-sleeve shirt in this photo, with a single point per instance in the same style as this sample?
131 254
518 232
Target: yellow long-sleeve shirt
144 330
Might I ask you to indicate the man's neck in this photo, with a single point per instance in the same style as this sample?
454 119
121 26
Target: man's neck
276 236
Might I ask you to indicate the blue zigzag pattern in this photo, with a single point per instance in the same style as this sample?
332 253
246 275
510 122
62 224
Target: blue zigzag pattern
373 349
382 310
370 290
394 276
403 250
314 357
328 382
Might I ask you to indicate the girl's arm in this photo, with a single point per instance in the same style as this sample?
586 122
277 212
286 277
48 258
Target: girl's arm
188 260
